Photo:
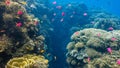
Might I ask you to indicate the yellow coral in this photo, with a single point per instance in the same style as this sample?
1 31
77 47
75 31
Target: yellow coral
27 61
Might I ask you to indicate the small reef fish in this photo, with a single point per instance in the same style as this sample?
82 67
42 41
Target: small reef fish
85 14
110 28
77 33
33 6
36 22
69 5
109 50
61 20
88 59
63 13
113 39
7 2
19 24
2 31
54 14
55 57
23 3
71 16
92 22
118 61
59 7
20 12
54 2
17 17
98 34
42 51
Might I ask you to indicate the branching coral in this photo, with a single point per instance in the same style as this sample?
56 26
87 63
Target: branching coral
28 61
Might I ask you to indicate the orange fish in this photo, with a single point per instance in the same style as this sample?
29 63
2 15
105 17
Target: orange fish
98 34
2 31
109 50
88 59
20 12
85 14
36 22
76 33
19 24
42 51
7 2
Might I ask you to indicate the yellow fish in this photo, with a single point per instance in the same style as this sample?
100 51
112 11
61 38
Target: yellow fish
23 3
42 51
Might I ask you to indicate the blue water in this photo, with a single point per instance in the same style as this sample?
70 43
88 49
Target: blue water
61 36
111 6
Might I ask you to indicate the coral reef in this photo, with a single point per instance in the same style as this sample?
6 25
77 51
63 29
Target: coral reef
106 61
104 20
88 46
19 32
28 61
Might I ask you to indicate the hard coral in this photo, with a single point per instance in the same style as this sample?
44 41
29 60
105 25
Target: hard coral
18 33
5 42
105 21
87 44
107 61
28 61
8 18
